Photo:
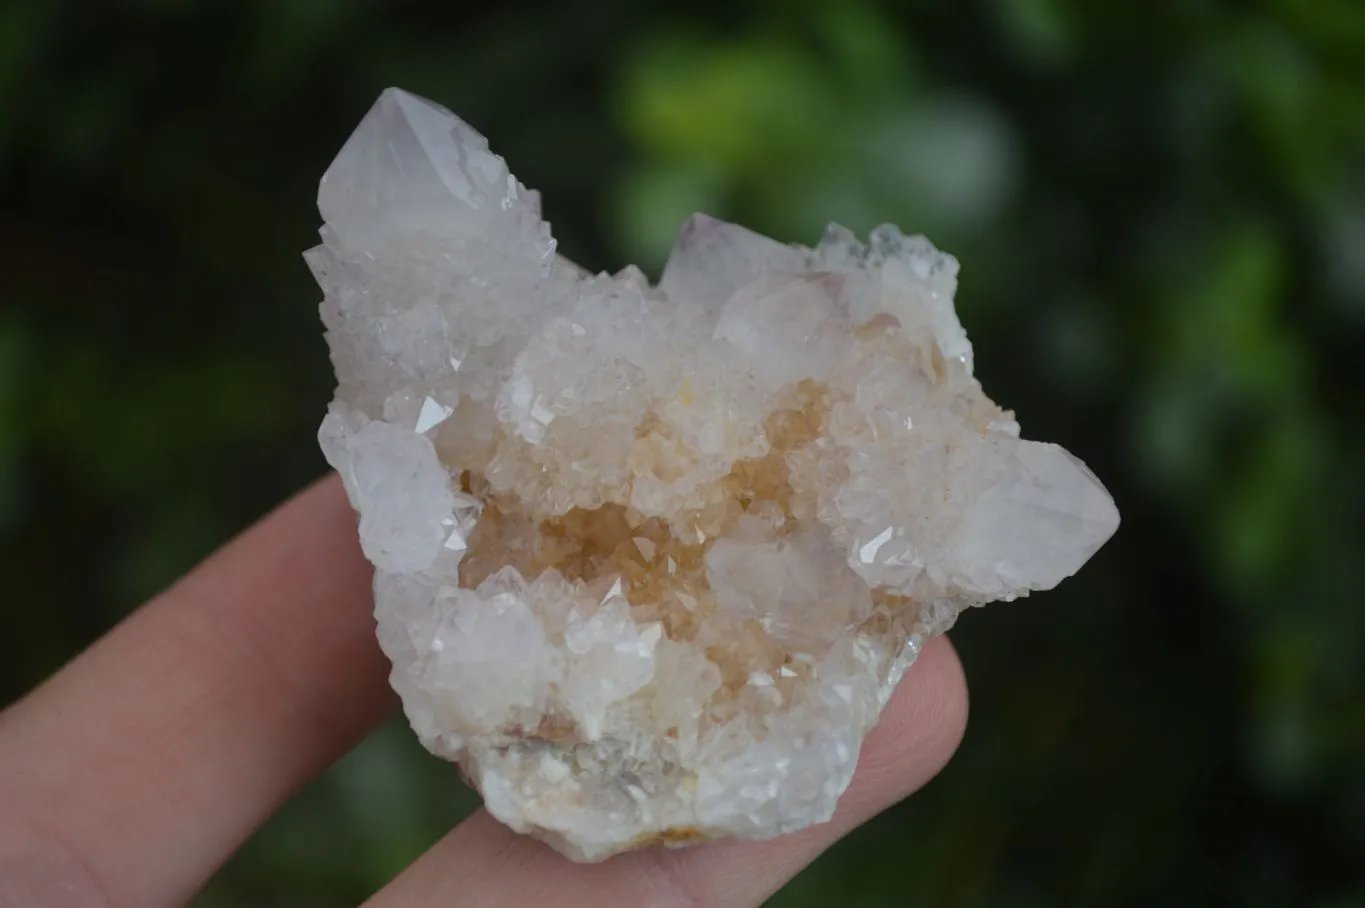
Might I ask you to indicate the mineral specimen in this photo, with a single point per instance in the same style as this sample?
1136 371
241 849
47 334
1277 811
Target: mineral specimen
649 560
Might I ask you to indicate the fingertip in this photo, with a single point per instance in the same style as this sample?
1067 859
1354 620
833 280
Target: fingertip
945 697
919 730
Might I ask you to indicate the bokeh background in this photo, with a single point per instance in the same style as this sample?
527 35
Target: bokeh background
1160 211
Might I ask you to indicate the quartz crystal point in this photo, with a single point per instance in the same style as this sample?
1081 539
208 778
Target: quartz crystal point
649 560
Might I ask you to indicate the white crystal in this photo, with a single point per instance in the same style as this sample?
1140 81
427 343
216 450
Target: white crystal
412 167
398 484
651 559
610 658
431 415
798 587
788 328
713 260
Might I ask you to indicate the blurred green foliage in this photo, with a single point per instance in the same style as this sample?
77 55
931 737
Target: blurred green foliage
1160 210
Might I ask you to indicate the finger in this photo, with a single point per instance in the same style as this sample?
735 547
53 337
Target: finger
483 863
129 776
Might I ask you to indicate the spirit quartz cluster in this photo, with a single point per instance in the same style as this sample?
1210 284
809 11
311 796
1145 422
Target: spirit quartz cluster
650 559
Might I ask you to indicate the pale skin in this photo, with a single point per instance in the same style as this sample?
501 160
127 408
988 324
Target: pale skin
132 774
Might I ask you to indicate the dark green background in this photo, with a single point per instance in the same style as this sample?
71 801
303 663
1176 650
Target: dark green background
1160 211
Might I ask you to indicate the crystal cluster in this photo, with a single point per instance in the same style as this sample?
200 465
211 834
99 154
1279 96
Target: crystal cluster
649 560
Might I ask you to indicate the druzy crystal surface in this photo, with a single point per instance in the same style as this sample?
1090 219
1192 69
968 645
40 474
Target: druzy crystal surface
649 560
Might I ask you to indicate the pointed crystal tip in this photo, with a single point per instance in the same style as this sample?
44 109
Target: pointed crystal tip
1039 523
412 166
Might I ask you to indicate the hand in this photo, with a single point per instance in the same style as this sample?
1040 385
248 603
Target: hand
132 774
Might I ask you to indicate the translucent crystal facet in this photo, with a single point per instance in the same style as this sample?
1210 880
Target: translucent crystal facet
650 559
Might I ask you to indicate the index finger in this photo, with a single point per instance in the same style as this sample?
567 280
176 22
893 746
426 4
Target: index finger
133 773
